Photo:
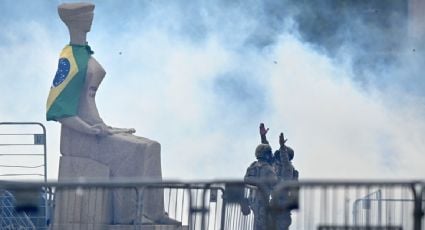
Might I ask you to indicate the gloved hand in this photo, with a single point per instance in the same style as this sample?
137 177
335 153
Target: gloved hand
245 209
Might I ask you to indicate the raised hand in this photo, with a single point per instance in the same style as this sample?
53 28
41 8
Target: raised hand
263 130
282 139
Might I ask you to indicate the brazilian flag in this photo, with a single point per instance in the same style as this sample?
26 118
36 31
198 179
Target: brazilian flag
68 83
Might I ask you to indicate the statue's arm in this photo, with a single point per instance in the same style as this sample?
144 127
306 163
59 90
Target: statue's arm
121 130
79 125
115 130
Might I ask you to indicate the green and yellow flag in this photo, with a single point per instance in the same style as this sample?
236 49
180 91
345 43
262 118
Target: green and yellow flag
68 83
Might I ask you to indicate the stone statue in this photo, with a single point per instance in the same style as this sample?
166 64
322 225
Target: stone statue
84 134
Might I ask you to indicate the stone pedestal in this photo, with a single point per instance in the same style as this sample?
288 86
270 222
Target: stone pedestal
77 208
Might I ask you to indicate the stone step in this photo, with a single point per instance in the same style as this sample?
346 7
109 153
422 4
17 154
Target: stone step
147 227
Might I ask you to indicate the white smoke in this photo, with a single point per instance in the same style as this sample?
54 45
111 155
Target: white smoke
200 78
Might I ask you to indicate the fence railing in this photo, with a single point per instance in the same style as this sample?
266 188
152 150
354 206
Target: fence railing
23 156
358 205
217 205
23 151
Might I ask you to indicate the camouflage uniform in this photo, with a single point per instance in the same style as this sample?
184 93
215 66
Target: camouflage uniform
257 171
282 164
285 172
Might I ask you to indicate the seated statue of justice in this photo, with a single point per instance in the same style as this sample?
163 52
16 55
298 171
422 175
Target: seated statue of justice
71 102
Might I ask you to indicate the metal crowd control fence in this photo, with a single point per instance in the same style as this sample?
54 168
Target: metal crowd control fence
195 205
333 205
23 157
322 205
23 150
10 218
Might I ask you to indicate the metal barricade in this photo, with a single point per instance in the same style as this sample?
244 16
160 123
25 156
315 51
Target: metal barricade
11 219
80 204
238 197
355 205
217 205
23 152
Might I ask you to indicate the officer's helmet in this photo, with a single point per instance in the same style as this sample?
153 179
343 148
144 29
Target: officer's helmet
263 151
290 154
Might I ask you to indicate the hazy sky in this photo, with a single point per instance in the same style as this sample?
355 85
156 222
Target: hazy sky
199 77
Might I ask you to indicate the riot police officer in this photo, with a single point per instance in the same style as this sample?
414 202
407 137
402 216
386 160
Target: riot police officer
287 199
261 174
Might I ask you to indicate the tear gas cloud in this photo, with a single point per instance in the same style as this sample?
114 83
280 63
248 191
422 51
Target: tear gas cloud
199 77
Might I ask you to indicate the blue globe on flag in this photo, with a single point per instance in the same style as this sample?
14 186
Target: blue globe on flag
63 70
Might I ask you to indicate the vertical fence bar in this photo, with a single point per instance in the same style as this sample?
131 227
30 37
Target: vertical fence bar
423 201
223 214
418 210
204 211
379 198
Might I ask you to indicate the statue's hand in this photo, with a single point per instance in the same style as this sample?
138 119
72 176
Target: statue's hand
94 130
122 130
101 130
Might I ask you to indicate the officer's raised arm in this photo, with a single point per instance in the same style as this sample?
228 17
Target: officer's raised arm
263 133
283 149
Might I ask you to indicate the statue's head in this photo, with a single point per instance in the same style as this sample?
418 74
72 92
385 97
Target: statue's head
77 16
